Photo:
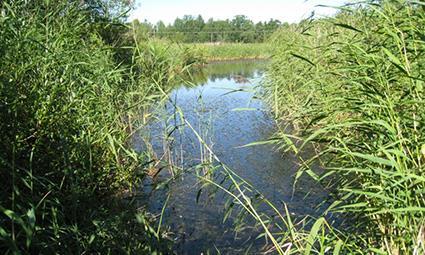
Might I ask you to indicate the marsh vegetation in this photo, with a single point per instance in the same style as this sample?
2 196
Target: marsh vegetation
117 138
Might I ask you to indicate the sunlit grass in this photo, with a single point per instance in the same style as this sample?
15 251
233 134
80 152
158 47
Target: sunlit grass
231 51
352 87
68 112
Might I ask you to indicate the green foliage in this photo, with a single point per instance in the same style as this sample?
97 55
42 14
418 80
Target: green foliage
163 63
68 113
232 51
190 29
352 87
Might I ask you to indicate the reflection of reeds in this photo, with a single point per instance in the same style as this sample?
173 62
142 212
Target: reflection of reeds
205 124
241 71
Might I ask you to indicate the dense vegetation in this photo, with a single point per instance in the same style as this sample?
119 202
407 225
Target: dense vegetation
76 82
190 29
69 105
352 87
233 51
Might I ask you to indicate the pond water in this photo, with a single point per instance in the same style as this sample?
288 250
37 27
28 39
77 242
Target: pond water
223 108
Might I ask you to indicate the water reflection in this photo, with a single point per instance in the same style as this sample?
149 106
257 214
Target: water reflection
238 71
224 111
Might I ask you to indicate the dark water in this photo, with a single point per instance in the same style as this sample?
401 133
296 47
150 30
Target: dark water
223 109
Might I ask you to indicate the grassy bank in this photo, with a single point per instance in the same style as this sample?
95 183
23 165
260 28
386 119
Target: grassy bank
198 53
231 51
353 88
70 101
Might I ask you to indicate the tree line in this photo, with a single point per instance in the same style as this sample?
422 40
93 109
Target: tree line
194 29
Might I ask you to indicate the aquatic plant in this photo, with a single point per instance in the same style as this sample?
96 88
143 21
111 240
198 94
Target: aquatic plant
232 51
351 86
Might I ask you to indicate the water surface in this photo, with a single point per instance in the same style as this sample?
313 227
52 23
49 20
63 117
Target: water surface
223 108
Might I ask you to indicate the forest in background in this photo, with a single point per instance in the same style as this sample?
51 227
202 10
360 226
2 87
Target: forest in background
194 29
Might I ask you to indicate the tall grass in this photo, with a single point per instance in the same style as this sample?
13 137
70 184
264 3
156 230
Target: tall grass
352 87
68 111
231 51
162 61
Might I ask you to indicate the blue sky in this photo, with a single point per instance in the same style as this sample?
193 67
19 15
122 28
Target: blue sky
257 10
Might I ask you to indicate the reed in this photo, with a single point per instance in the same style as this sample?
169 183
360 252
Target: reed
351 86
68 112
232 51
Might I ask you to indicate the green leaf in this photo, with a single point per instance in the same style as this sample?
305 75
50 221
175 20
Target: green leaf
258 143
31 217
395 60
348 27
313 235
303 58
373 159
338 246
3 233
411 209
92 237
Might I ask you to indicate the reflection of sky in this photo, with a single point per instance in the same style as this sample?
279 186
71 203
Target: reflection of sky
210 109
257 10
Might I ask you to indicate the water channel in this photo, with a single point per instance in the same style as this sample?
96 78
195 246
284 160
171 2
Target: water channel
224 107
